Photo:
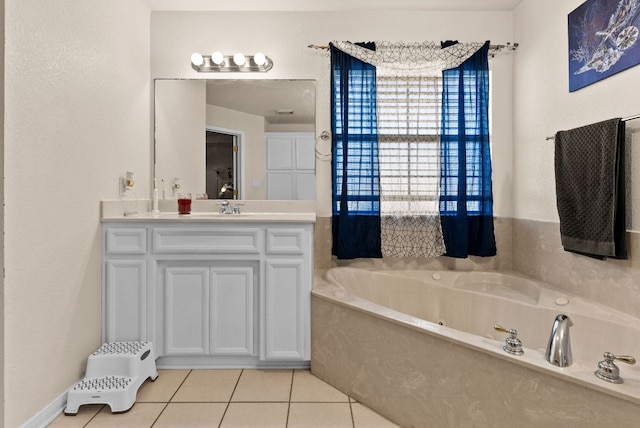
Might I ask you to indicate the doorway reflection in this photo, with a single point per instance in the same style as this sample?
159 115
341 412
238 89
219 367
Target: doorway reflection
221 165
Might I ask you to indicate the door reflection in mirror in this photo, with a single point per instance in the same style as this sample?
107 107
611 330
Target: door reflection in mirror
222 165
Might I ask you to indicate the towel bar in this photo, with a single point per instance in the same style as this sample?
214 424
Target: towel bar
624 119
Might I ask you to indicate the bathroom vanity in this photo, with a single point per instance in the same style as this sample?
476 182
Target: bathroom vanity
209 289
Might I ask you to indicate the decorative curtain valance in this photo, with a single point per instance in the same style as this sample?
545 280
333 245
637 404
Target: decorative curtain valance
411 59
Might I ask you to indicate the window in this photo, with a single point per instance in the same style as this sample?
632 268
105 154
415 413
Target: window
409 115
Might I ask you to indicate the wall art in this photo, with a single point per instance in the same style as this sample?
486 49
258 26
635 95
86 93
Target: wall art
603 40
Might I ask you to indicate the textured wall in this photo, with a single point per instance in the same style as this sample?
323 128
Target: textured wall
543 105
77 104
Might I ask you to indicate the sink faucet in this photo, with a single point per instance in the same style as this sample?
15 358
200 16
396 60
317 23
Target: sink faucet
559 347
225 208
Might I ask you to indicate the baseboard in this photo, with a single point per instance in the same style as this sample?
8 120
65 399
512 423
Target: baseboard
47 415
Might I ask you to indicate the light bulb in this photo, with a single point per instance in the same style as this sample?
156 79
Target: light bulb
197 59
259 59
217 58
238 59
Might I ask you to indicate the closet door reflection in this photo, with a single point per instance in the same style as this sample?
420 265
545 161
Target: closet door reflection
291 168
221 165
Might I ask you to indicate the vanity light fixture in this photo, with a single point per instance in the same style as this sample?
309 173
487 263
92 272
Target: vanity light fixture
230 63
217 58
239 59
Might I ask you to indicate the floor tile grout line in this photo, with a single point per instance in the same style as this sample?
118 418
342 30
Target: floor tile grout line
94 416
159 414
166 404
230 398
180 386
353 420
286 424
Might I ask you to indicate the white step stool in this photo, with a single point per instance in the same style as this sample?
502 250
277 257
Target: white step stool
114 374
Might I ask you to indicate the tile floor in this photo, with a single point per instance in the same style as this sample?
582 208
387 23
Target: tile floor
230 399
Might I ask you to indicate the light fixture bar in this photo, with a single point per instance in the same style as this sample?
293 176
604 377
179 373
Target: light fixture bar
228 65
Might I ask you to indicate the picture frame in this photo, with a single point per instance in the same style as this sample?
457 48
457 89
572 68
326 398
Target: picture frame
603 40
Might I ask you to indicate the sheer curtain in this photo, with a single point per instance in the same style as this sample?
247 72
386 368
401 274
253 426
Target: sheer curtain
466 200
355 177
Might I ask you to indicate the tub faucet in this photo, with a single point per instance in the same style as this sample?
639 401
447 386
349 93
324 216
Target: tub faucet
559 346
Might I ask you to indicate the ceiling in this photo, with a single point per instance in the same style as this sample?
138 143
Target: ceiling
265 98
331 5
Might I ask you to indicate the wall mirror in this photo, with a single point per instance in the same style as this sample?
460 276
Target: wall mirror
235 139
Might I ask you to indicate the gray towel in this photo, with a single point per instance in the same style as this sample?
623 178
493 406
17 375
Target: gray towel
589 167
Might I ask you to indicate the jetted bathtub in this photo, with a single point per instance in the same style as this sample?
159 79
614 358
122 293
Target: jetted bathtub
420 348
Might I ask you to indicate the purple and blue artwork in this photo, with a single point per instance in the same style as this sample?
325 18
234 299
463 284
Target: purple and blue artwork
603 40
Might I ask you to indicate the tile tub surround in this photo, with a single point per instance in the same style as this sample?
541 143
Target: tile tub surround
538 252
322 243
233 398
502 261
532 248
416 379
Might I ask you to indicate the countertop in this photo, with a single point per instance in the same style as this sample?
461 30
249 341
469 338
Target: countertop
214 217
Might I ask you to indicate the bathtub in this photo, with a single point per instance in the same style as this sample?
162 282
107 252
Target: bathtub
420 348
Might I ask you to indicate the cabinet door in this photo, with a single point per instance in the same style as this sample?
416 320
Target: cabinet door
305 185
280 185
286 309
290 166
125 307
305 153
232 311
186 311
280 151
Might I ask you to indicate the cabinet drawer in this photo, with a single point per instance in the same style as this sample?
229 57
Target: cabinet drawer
228 240
126 241
285 241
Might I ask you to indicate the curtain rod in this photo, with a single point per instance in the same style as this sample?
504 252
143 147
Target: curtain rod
624 119
493 48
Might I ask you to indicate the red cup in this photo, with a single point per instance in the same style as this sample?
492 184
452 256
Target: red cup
184 203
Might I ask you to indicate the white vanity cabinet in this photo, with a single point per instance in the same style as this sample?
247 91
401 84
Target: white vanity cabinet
124 293
286 303
210 294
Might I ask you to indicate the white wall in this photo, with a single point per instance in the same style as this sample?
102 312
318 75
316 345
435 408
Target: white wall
284 36
77 114
543 105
